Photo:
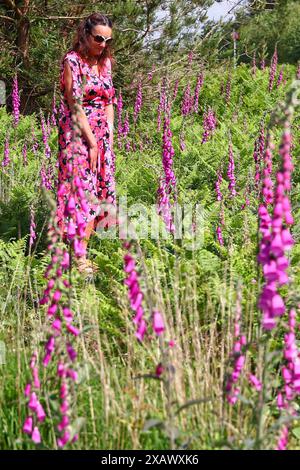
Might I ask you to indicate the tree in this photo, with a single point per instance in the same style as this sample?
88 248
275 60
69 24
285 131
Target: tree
34 34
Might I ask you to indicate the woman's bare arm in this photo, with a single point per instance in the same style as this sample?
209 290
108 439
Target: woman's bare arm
109 111
83 121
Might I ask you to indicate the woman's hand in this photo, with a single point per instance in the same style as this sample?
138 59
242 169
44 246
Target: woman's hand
93 154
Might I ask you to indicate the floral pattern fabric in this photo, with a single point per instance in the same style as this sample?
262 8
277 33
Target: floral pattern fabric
95 92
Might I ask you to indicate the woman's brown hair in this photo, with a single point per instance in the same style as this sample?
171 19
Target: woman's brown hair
85 27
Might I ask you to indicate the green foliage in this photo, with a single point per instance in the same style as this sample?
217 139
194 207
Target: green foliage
268 28
196 290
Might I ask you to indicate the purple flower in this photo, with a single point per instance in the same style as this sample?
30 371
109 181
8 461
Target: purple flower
175 90
280 77
199 84
135 294
164 208
141 330
16 100
40 412
157 323
255 382
276 238
35 436
283 439
186 105
62 441
159 370
219 235
125 129
238 357
119 114
138 102
228 89
273 69
32 228
209 125
73 330
230 173
27 427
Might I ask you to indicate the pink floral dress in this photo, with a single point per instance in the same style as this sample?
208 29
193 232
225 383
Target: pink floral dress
97 93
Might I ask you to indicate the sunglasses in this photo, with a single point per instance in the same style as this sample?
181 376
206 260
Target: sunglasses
100 39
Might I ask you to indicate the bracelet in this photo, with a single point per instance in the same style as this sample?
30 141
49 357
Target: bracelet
110 126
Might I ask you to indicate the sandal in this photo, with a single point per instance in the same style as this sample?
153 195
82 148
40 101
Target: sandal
86 266
92 265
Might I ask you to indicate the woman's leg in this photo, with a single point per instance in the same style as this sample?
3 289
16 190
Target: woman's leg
88 231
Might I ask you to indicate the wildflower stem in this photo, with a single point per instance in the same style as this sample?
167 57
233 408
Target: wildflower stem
262 394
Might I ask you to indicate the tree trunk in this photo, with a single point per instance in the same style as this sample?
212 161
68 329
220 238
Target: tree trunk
23 28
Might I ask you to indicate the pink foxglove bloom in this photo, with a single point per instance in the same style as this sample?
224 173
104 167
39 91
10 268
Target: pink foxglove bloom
280 77
255 382
209 125
138 102
273 69
159 370
32 228
119 114
228 89
164 206
237 356
135 295
158 323
27 427
36 410
175 90
276 239
167 187
283 439
72 329
125 128
141 330
199 84
168 154
181 141
35 436
190 57
16 100
219 235
150 74
186 106
230 173
40 412
290 370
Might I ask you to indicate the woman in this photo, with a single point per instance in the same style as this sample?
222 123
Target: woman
90 59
